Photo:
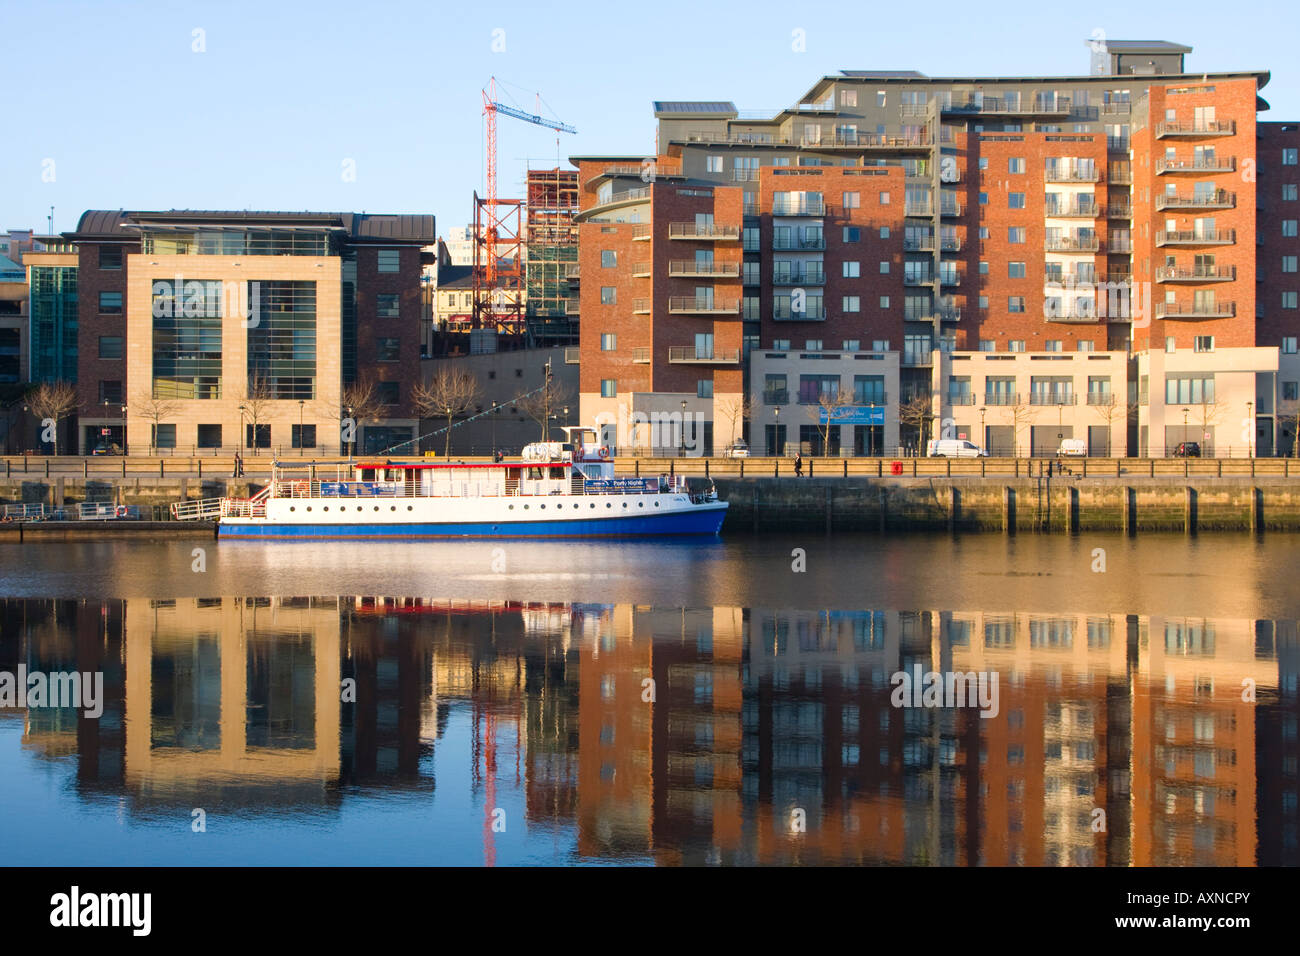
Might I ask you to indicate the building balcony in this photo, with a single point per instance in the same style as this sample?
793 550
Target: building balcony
1044 106
572 355
1196 310
801 207
641 356
1220 237
1220 164
962 398
750 209
572 272
804 277
689 355
917 358
713 233
1114 109
952 208
1119 210
648 171
1053 398
1119 177
643 269
1080 244
1217 128
690 305
640 306
810 314
1119 246
1199 274
1074 315
700 270
1001 399
1081 210
805 244
917 279
641 233
1073 174
640 194
844 139
1219 199
1101 399
950 278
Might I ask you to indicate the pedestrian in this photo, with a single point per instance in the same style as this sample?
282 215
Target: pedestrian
798 466
239 466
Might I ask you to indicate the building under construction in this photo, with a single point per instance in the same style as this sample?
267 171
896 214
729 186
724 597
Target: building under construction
551 255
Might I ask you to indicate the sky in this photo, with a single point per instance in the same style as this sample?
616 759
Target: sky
378 107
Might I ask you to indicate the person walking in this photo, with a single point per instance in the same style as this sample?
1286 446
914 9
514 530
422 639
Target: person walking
239 466
798 466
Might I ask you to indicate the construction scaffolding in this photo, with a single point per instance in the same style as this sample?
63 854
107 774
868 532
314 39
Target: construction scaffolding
552 257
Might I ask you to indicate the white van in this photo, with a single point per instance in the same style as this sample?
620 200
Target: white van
1072 448
954 448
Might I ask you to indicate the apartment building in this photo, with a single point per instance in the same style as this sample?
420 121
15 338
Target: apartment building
196 331
1071 223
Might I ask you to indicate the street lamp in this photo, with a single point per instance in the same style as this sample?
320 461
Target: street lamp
776 429
241 441
682 452
124 428
984 437
1250 442
1185 411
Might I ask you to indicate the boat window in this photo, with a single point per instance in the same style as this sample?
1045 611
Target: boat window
557 471
367 474
534 473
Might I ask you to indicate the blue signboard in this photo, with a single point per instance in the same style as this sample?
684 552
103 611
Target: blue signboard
854 415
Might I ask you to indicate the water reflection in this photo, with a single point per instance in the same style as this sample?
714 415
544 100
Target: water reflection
679 735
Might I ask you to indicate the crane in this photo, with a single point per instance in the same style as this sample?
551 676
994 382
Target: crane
494 230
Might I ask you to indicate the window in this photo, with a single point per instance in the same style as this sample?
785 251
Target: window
984 162
111 392
1015 200
389 393
869 389
1084 346
1016 345
984 199
704 388
1203 343
1189 391
852 234
388 349
880 345
884 301
608 388
848 97
164 435
390 260
884 199
852 304
852 200
1169 344
110 346
1052 345
984 302
988 345
608 259
984 268
388 305
813 388
1016 234
880 97
852 270
812 345
608 295
884 232
1289 263
608 342
110 257
713 164
984 232
209 436
110 303
302 436
1289 391
851 345
1016 270
1289 345
1016 164
884 268
1289 228
1015 303
1288 300
1290 191
1289 156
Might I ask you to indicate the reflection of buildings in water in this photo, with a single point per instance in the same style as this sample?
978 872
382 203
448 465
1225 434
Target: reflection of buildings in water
756 713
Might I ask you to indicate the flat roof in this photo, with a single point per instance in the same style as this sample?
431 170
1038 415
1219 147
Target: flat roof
360 227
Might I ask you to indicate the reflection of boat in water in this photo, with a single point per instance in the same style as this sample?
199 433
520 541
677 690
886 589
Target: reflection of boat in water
558 489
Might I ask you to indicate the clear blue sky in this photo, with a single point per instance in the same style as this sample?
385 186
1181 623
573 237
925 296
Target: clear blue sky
131 117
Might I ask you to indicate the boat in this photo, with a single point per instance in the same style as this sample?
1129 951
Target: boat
564 489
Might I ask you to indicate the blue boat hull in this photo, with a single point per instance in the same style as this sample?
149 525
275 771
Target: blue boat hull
701 522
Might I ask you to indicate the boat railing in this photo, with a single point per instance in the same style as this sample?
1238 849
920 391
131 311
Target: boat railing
316 488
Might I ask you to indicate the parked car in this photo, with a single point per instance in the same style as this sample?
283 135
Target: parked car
954 448
736 450
1072 448
104 448
1188 449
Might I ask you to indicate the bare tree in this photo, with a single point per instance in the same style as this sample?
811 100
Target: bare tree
539 404
452 392
1109 412
257 404
1021 412
153 410
52 402
1209 413
917 412
735 409
827 407
1292 415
